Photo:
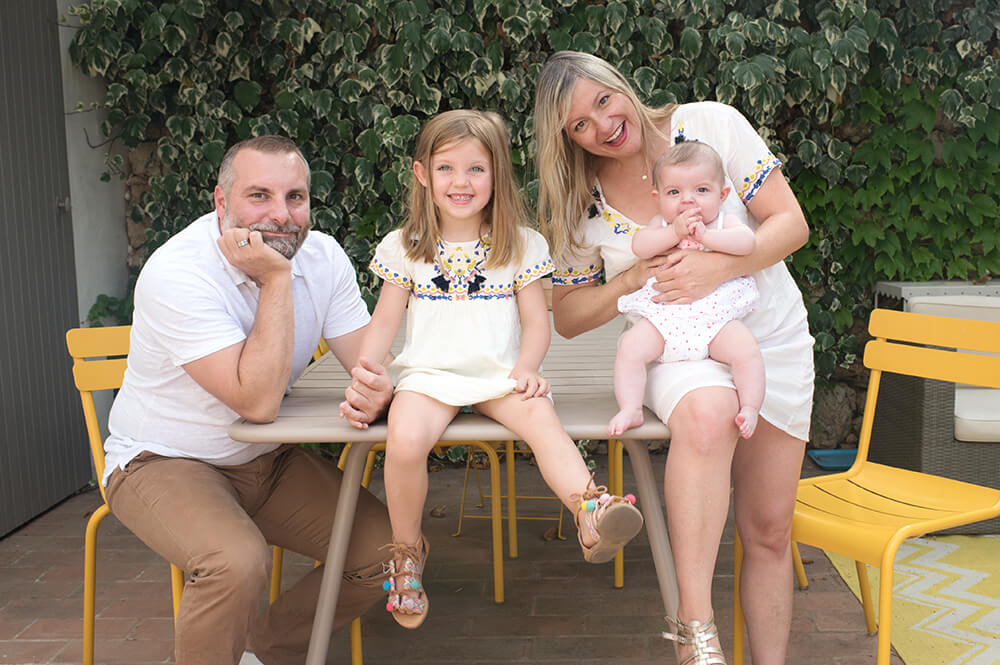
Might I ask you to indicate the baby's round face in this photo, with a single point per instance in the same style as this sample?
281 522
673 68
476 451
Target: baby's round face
683 187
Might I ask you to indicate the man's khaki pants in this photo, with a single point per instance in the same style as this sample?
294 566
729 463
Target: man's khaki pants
216 523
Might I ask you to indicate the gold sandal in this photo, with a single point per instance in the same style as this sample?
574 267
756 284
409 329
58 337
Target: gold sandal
405 584
697 635
616 521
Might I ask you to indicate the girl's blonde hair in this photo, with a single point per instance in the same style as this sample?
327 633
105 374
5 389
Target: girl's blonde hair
505 213
565 170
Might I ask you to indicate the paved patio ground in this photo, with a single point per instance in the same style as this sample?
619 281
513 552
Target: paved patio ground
559 610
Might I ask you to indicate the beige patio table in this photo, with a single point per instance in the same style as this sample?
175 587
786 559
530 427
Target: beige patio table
580 371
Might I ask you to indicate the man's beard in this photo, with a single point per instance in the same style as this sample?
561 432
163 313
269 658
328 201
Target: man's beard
284 246
287 247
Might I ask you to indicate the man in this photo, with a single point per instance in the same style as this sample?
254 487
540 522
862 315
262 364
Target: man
227 315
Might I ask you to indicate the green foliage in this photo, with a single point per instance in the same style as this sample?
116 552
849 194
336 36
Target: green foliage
109 309
884 113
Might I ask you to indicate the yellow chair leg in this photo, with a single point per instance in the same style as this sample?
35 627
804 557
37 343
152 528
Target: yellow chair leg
366 476
617 485
739 625
90 582
176 588
496 515
277 561
356 655
885 605
866 596
511 501
800 570
342 460
465 491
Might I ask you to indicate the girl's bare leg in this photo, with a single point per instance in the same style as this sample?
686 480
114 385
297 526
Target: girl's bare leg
736 346
416 422
639 346
766 472
565 472
696 489
536 422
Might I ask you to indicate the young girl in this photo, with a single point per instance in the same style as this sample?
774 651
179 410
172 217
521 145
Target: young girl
689 183
477 329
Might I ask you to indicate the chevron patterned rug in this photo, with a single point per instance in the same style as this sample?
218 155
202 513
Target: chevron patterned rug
946 599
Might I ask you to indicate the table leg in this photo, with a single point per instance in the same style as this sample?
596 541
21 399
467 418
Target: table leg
650 500
333 571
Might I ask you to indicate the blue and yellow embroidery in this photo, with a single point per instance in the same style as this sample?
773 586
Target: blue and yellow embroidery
680 137
750 184
459 268
532 273
570 276
618 223
386 273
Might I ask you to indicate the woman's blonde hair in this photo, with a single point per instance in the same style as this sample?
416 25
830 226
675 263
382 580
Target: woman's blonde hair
504 214
565 170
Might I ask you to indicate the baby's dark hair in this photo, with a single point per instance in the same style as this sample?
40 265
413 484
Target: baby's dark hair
686 154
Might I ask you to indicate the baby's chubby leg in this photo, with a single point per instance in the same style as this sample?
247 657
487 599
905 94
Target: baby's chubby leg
640 345
735 345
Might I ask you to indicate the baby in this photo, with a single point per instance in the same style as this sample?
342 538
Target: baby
690 185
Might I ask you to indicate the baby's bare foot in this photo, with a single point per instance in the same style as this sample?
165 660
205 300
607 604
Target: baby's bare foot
746 421
624 420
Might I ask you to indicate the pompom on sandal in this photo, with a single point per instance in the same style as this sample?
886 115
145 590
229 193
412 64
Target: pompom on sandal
615 521
405 583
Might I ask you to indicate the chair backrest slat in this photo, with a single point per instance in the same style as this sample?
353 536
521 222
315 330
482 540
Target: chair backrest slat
932 363
98 342
99 374
898 333
935 330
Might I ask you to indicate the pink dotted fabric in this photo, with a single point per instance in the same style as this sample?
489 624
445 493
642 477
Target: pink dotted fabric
688 329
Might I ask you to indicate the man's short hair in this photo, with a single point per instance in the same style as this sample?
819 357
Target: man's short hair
269 144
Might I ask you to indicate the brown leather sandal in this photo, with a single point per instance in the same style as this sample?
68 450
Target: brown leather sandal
405 584
615 522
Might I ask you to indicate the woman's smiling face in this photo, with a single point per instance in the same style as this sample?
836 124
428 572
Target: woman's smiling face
602 121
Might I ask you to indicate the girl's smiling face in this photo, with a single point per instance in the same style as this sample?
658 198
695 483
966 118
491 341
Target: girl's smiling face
602 121
460 176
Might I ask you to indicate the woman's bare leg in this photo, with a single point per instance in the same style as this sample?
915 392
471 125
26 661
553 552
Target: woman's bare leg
766 472
696 488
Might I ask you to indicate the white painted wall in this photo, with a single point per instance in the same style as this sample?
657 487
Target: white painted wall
100 243
98 208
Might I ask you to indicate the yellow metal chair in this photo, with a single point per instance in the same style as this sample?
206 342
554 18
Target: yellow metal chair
512 497
867 511
99 360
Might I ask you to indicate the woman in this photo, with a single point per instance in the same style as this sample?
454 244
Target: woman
596 143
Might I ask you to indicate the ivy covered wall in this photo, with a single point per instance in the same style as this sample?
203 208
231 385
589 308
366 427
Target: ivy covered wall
886 113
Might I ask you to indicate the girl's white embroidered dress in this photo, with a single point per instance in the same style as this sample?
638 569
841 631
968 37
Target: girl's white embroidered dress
463 332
